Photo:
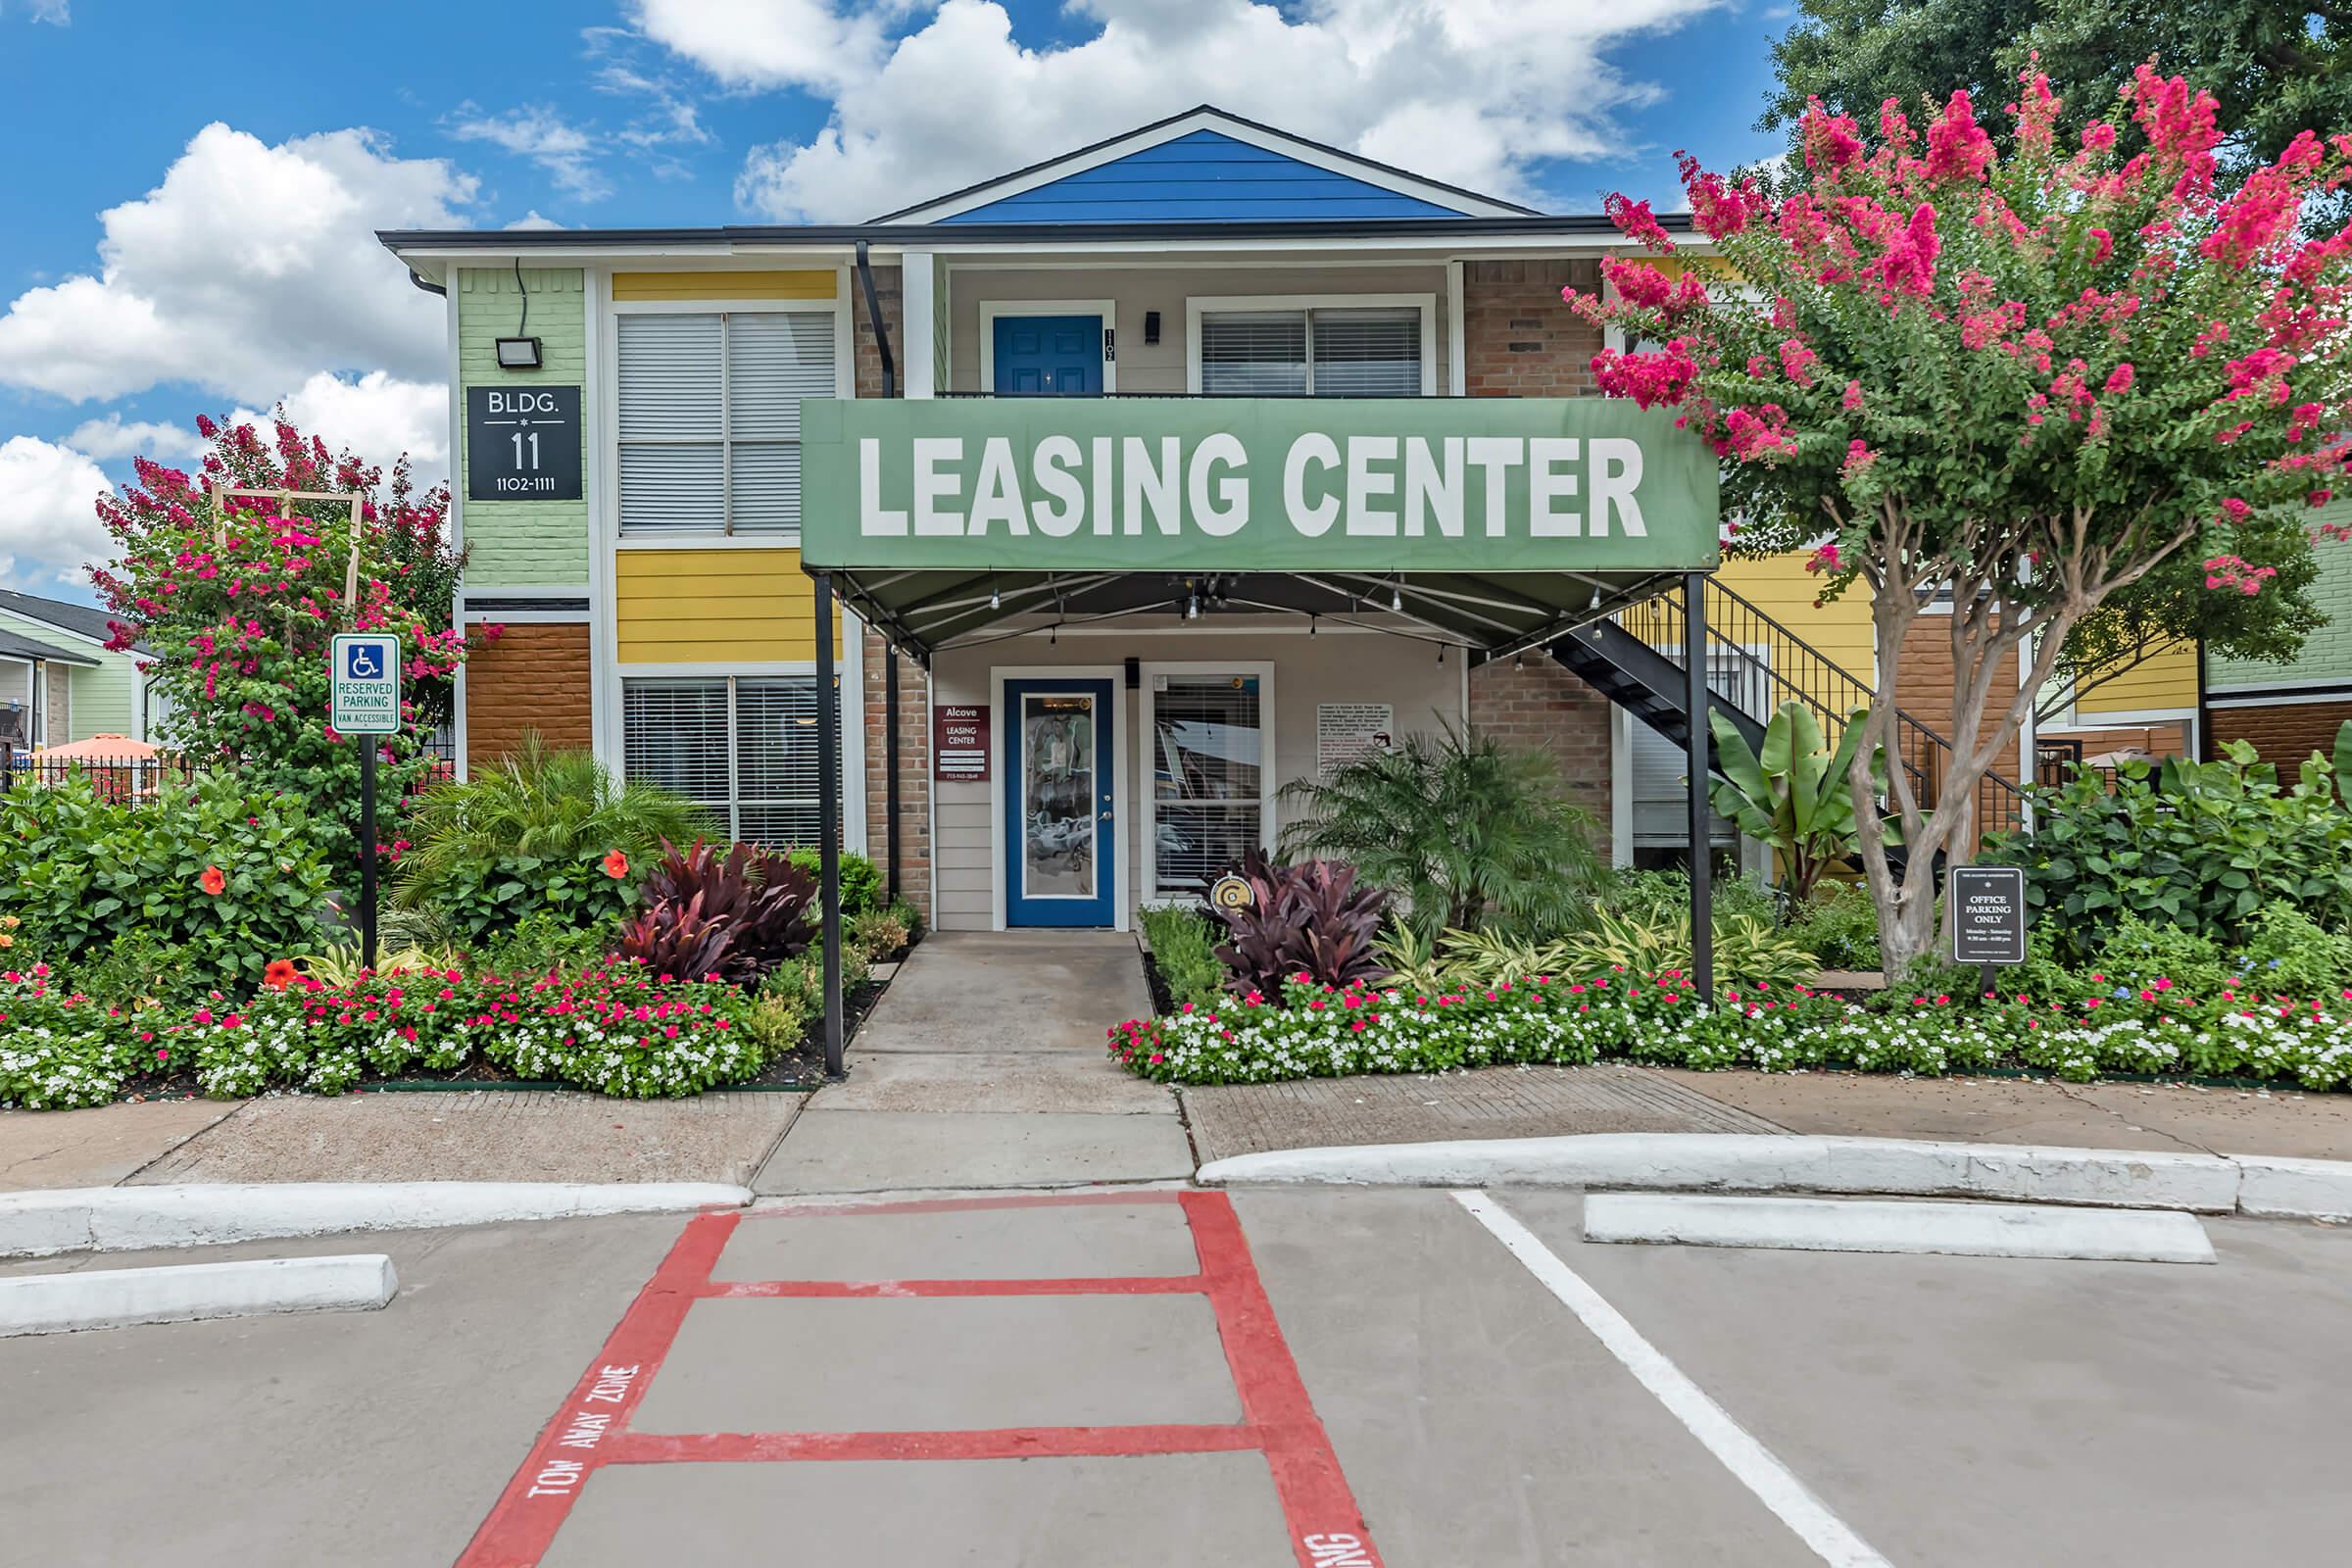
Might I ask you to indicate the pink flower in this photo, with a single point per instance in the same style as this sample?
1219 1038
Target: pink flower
1636 220
2120 379
1852 401
1957 146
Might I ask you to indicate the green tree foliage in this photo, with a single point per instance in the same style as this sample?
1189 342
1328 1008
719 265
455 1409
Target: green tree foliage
1468 831
2274 65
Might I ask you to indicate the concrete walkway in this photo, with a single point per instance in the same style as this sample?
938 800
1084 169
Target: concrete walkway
983 1066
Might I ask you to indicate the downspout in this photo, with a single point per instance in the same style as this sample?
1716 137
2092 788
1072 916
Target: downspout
427 284
873 318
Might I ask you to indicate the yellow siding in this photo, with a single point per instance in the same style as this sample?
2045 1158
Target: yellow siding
723 285
714 607
2166 681
1782 587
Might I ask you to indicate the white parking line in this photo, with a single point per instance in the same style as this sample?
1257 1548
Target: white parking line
1755 1467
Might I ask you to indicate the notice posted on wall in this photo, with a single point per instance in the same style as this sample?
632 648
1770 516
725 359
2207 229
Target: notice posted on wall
1345 731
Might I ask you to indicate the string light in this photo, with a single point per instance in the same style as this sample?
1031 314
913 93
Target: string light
1396 595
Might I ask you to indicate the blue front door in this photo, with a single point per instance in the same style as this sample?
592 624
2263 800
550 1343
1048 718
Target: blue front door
1049 356
1061 857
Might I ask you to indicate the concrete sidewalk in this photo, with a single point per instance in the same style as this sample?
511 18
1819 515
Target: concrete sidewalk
1612 1097
983 1066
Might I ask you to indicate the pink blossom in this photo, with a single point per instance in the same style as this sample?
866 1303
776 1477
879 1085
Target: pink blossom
2120 379
1636 220
1852 401
1909 265
1958 147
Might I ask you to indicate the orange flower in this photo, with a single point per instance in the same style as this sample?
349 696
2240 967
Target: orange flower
617 865
212 882
279 974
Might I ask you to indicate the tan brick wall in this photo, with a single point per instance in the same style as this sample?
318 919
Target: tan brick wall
1519 338
915 773
869 356
532 677
2284 735
1539 705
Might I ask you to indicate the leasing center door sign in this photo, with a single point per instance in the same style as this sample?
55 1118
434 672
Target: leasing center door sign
960 743
522 443
1549 484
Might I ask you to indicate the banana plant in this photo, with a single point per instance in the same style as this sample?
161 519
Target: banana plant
1794 795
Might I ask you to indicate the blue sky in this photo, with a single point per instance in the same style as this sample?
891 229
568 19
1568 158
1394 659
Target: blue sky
245 153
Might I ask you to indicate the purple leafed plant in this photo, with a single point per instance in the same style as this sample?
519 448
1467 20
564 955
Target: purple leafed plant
1309 918
736 915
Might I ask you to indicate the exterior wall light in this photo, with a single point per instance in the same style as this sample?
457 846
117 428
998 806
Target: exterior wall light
519 353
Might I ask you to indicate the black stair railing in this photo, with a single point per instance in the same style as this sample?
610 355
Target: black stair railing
1758 663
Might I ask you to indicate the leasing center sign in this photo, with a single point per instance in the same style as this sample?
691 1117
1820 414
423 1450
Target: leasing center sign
1235 484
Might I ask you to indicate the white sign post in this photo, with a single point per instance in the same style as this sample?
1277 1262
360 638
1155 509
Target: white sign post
363 680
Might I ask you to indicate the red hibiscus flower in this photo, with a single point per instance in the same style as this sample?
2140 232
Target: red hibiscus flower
617 865
213 881
280 973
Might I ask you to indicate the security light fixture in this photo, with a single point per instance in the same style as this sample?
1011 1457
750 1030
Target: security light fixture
519 353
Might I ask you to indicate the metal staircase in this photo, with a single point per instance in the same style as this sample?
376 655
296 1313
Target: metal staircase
1754 664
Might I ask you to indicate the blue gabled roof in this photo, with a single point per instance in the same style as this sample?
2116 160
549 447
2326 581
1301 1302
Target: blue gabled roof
1205 175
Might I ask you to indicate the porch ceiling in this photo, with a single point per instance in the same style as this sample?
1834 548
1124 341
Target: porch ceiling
1492 615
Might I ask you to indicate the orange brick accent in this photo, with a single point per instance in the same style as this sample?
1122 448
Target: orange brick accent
1519 338
1542 706
2284 735
914 773
532 677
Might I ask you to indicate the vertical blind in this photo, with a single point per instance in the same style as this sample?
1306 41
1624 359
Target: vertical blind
1318 353
709 417
743 748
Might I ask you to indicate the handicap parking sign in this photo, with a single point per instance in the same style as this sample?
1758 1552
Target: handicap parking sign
364 671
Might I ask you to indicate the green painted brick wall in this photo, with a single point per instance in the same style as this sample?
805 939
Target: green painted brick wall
524 544
2327 653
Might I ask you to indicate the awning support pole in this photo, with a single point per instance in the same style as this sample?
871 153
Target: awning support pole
890 764
828 820
1694 705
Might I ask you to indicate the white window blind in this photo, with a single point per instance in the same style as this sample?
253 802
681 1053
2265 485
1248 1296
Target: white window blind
1208 779
742 747
1315 353
709 417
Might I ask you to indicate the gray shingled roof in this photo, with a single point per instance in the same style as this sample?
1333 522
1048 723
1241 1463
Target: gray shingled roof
58 612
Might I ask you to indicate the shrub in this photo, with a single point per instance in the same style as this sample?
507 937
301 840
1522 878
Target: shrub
535 834
1466 831
1747 947
878 932
224 879
1668 893
543 942
734 916
1310 918
2197 845
1794 795
1184 952
1841 931
860 879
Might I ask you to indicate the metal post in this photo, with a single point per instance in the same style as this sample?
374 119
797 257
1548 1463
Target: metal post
828 794
368 746
890 765
1694 705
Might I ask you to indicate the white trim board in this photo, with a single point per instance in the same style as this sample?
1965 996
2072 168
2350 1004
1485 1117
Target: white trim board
990 310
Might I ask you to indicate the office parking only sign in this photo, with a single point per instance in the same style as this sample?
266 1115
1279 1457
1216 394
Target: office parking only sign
1988 913
364 670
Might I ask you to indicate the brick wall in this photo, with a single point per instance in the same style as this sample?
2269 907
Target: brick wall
2286 734
1542 706
533 677
1519 338
869 356
915 773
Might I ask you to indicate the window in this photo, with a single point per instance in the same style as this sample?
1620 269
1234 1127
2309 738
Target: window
1208 778
709 414
1311 353
744 746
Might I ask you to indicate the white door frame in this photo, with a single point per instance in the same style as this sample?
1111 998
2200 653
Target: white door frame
990 310
1122 896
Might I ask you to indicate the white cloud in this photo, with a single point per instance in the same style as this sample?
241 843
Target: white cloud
534 219
110 438
49 524
1475 92
57 12
538 132
377 415
247 270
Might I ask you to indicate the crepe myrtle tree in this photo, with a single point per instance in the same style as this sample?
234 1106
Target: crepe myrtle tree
2016 385
239 607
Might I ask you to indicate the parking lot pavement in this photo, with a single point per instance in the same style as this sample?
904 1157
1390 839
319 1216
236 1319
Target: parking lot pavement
1327 1378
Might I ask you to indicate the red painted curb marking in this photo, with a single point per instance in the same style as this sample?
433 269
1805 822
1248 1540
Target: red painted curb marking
1109 1285
1010 1443
532 1508
1327 1528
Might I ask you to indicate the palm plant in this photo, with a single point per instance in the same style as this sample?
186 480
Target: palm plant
1794 795
1469 832
542 829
